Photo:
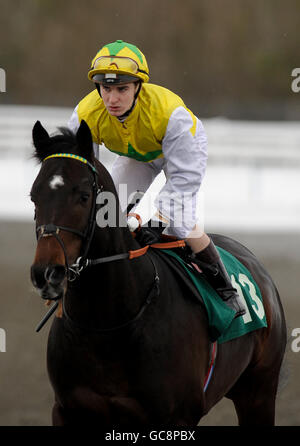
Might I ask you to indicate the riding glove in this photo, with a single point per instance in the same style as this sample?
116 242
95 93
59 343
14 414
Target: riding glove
149 235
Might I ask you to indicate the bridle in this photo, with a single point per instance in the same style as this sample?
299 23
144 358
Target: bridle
73 271
51 229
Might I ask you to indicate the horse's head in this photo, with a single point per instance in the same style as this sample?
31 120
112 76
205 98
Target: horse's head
64 194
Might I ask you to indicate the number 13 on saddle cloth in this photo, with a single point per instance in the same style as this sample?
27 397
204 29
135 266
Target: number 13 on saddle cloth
222 325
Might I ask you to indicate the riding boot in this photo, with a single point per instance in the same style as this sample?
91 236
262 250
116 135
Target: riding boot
211 264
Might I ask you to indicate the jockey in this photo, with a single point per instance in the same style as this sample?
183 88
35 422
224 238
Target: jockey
152 130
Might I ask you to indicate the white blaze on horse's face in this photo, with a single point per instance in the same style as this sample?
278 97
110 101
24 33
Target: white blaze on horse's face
56 181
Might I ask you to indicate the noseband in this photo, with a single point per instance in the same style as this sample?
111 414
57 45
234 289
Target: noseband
51 229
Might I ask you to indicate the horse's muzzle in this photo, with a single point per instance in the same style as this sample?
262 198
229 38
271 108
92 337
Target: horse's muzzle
50 280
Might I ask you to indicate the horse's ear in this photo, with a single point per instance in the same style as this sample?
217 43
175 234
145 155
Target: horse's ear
40 138
84 140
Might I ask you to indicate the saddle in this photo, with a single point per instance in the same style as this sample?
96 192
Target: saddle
222 324
181 249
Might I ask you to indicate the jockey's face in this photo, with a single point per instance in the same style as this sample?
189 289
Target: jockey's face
118 99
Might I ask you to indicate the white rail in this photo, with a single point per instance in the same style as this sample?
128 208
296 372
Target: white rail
229 141
252 180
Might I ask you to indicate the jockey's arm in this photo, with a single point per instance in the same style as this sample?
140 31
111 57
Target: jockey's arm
185 151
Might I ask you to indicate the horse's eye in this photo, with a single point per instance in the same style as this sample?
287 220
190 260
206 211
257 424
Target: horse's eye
84 198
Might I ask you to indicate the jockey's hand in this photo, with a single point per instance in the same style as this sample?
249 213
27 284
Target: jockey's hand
149 235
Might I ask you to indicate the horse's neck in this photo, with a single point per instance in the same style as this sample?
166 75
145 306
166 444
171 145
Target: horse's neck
111 293
126 275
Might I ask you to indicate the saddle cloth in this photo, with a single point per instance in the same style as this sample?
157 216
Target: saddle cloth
223 326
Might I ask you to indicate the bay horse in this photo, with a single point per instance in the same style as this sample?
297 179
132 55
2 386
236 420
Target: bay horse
131 347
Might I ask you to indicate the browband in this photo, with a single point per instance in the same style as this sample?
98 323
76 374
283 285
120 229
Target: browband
72 156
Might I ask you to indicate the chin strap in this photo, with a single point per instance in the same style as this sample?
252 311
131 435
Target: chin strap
126 114
98 89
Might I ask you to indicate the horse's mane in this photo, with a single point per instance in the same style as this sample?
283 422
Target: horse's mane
66 136
64 141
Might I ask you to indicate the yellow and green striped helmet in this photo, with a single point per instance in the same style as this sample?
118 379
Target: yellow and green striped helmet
119 62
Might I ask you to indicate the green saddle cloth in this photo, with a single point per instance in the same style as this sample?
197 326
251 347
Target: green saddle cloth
222 324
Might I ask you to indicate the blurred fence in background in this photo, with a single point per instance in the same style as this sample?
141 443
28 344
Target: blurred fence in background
252 181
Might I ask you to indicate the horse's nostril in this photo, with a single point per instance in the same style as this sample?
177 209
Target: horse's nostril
37 276
55 274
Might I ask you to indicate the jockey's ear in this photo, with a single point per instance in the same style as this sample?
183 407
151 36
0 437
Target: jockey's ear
85 141
40 138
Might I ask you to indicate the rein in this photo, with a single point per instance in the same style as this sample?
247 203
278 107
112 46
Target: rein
79 265
154 292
